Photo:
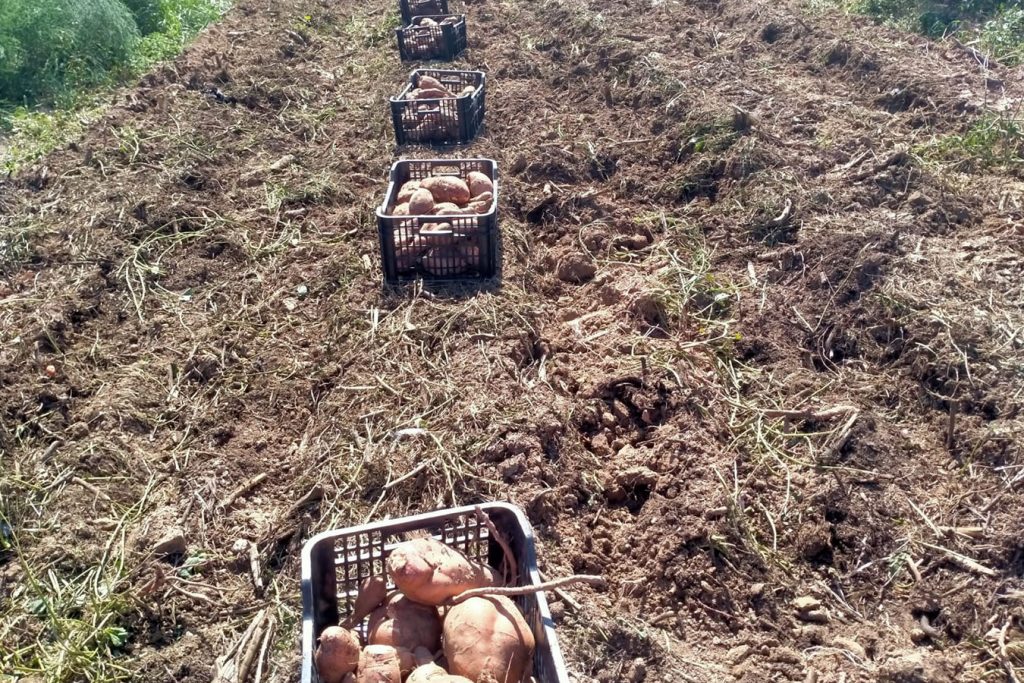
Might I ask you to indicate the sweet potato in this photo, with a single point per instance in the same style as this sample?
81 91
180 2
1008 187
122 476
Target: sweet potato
444 261
479 183
406 624
432 673
421 203
429 94
437 234
337 654
379 664
429 572
372 593
477 208
401 210
406 191
430 82
447 189
447 209
488 636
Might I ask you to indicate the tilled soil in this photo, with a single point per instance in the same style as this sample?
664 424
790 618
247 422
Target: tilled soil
756 354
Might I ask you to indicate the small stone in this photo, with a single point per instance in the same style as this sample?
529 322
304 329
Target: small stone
806 603
815 616
757 590
738 654
172 543
291 304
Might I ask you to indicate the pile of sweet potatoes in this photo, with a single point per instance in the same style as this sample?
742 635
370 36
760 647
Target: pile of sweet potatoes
423 38
433 113
442 245
422 632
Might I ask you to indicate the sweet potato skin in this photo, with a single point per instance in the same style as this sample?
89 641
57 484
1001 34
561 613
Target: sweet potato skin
488 636
429 572
407 625
379 664
447 189
337 654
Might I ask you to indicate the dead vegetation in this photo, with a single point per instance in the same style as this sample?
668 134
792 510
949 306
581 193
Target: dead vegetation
755 356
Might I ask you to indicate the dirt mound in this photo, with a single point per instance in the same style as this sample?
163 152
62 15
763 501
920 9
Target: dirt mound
755 356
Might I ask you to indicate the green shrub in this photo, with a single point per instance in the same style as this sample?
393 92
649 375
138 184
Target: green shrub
52 49
48 47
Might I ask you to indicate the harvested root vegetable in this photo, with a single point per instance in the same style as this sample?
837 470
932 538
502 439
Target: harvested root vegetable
430 572
438 234
447 189
337 654
431 82
447 209
406 191
488 636
428 94
444 261
432 673
379 664
401 210
479 183
372 593
421 203
407 625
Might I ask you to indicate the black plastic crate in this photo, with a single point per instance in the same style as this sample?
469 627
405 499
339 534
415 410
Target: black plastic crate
441 121
419 247
334 563
419 8
440 36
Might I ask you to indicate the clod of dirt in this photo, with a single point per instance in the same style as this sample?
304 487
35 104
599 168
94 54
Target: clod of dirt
576 269
809 609
170 544
915 668
739 654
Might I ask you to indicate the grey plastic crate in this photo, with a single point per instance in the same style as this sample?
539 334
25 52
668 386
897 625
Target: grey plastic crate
334 563
441 122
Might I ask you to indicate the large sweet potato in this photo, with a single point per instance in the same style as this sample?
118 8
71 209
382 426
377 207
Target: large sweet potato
337 654
488 636
379 664
406 624
447 189
430 572
432 673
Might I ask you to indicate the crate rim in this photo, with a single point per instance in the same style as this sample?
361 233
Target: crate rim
382 207
462 17
400 97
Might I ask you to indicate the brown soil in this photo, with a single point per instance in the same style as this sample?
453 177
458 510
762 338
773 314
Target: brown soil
756 340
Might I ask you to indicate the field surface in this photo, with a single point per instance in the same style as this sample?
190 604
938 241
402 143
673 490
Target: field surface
756 356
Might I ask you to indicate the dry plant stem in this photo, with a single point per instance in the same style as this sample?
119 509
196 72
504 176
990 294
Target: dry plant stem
243 489
529 590
962 560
